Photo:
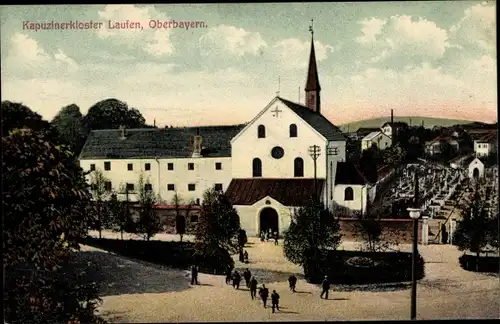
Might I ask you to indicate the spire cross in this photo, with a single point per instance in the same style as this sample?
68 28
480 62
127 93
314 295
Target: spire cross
311 27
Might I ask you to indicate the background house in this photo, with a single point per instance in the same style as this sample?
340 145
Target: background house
437 145
486 144
378 138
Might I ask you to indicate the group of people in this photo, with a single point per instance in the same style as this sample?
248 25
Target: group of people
267 235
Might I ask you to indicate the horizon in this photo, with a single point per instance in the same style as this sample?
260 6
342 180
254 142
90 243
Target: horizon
420 59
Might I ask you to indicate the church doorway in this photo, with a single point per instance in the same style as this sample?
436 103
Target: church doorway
475 173
269 219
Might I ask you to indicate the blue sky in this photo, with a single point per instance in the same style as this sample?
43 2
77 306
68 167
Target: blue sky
435 59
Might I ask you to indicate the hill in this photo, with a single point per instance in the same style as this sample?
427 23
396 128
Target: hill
429 122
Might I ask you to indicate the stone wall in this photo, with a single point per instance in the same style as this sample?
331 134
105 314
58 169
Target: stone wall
400 230
168 218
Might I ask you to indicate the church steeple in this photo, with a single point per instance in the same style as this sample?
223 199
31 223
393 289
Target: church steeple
312 88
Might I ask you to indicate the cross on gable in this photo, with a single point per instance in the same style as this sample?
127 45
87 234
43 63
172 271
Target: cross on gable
276 111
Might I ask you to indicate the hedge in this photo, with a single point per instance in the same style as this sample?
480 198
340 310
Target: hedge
356 267
486 263
175 254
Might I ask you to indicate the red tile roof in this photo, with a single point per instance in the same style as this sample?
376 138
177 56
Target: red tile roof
289 192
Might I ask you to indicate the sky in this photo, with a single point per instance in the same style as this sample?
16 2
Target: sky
432 59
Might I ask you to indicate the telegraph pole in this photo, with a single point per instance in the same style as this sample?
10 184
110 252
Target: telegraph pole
315 152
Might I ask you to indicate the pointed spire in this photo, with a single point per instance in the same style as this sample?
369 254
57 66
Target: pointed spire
312 73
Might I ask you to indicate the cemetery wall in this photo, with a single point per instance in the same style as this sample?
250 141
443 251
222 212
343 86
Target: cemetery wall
400 230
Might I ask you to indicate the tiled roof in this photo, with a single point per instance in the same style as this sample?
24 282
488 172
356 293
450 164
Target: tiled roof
348 173
159 142
489 137
316 121
440 139
289 192
367 130
371 136
397 124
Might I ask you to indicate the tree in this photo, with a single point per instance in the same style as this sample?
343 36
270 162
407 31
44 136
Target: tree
218 225
69 124
369 163
313 228
180 220
149 222
99 195
45 203
474 231
117 211
111 114
393 154
17 116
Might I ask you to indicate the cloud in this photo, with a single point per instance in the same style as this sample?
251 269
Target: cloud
403 38
154 42
293 53
231 40
27 58
477 27
371 29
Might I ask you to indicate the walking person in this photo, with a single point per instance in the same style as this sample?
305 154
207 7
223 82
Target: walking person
228 275
245 256
326 286
275 238
253 288
194 275
264 294
275 300
236 280
292 281
247 275
262 236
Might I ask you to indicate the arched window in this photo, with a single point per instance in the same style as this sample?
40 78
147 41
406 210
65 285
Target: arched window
261 131
298 167
293 130
348 194
257 167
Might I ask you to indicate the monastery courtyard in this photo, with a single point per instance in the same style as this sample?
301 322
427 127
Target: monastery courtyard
135 291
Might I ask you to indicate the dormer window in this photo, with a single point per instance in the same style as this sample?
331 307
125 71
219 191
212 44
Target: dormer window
293 130
261 131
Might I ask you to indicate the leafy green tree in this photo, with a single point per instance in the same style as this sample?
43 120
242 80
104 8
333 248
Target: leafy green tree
16 115
45 204
393 154
218 225
313 229
99 195
69 124
111 114
149 222
474 232
369 163
117 215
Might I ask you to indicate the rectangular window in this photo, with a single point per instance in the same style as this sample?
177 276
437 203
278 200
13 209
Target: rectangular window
147 166
107 166
148 187
170 166
130 167
191 187
190 166
107 186
218 186
218 166
92 167
130 187
171 187
194 219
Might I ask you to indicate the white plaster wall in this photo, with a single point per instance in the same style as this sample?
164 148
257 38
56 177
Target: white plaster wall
331 163
248 146
482 149
360 197
387 130
384 142
476 164
204 175
250 215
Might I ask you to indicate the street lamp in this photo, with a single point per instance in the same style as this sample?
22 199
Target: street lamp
415 215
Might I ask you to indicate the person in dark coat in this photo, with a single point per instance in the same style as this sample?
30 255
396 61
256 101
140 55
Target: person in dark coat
326 286
275 300
228 275
292 281
275 238
245 256
236 280
194 275
247 275
253 288
264 294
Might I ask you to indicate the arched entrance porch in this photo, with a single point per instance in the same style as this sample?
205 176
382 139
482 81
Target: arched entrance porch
475 173
269 219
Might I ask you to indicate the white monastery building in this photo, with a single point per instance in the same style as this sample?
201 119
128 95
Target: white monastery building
264 167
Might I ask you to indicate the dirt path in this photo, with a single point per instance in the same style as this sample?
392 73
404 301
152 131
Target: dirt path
141 292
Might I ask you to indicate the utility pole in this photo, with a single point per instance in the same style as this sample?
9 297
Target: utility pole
315 152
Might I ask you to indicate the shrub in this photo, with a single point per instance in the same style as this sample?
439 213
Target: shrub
356 267
481 264
175 254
